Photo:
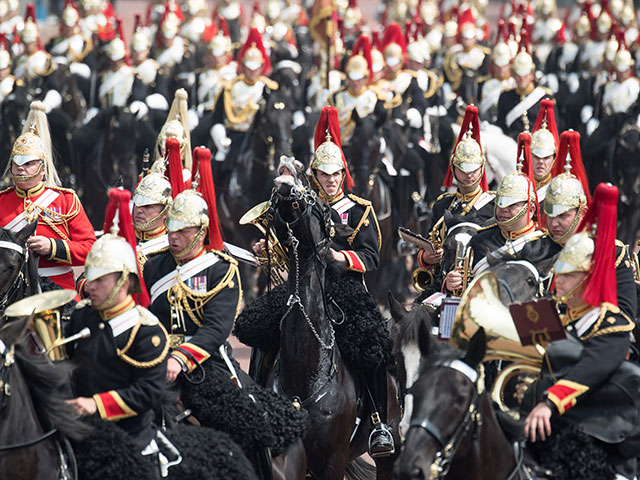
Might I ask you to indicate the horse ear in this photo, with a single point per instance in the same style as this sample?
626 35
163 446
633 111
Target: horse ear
448 218
477 348
425 339
26 232
398 311
14 330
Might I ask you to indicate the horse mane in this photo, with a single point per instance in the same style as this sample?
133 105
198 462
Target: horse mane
48 385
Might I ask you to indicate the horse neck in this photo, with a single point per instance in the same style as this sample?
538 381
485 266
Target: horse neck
18 418
304 362
489 443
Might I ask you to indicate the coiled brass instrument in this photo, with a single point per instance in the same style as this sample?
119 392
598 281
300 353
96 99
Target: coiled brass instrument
635 265
464 262
421 278
279 263
45 309
481 306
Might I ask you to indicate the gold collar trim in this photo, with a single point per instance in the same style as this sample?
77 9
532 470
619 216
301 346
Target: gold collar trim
159 231
112 312
32 192
530 227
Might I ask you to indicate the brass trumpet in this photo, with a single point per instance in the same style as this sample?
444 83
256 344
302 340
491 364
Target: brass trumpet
421 278
45 308
257 216
464 261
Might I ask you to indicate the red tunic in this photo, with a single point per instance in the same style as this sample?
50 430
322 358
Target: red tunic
61 218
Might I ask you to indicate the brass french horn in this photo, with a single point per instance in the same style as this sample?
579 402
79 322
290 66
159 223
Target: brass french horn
257 216
481 306
45 308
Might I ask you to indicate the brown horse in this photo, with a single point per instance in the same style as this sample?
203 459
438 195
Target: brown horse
310 370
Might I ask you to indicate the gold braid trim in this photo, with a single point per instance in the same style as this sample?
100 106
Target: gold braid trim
151 363
452 70
235 115
433 84
622 253
179 294
363 221
597 331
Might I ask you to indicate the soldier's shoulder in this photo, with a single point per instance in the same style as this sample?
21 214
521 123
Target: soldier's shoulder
445 195
358 200
223 256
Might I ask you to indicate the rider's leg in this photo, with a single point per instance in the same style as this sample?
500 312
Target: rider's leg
381 441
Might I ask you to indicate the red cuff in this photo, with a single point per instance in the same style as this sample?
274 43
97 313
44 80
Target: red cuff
564 394
196 352
112 407
355 263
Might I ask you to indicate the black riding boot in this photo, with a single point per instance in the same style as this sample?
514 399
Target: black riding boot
381 442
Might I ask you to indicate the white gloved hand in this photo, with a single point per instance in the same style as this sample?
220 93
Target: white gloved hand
52 100
220 140
414 118
592 125
139 108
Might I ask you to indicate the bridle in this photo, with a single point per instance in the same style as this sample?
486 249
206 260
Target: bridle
472 418
21 279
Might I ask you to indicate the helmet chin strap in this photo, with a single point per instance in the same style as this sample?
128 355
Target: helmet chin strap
322 192
28 178
516 217
569 295
153 222
473 184
182 254
114 292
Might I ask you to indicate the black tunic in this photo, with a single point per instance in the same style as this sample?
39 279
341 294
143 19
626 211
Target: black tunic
126 386
510 99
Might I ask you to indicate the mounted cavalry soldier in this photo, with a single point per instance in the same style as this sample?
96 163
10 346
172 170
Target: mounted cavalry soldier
577 392
518 108
218 69
516 230
195 287
237 106
501 79
471 198
7 81
358 253
120 365
565 207
64 234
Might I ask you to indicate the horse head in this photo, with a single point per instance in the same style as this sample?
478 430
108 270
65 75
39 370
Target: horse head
307 219
364 153
272 126
444 415
16 269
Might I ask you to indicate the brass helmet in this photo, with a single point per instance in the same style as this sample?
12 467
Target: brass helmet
616 7
252 54
188 209
328 157
544 140
450 29
140 41
417 51
515 187
623 60
523 63
170 25
110 254
604 22
116 49
70 15
468 155
377 61
30 32
393 45
153 189
583 26
359 64
220 45
35 144
352 15
429 12
575 255
501 54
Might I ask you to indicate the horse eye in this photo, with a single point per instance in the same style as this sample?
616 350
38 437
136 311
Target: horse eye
530 282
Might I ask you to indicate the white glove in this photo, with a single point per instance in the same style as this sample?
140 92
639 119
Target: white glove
157 101
586 113
298 119
80 69
592 125
92 112
551 81
139 108
414 118
220 140
52 100
573 82
192 119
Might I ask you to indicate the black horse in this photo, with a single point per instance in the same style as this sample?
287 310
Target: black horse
111 146
311 371
18 267
626 175
35 421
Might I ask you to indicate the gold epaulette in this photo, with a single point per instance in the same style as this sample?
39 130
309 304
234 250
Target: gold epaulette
605 326
146 318
226 257
482 229
413 73
375 89
156 341
62 189
83 303
270 84
445 195
359 200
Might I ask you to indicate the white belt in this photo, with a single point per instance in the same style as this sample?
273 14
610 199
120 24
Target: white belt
53 271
